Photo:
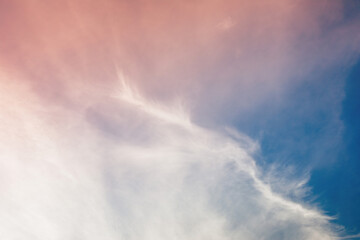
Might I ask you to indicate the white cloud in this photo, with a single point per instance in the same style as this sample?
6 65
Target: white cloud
62 177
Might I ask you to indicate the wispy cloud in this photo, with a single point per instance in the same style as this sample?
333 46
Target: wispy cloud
85 155
172 115
350 237
184 183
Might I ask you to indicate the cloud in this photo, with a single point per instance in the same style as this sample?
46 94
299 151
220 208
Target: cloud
63 177
176 48
87 157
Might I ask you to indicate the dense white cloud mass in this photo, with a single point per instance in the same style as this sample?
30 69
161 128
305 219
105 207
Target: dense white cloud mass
128 168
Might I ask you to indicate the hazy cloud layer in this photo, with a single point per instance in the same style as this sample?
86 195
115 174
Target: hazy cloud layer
222 57
85 156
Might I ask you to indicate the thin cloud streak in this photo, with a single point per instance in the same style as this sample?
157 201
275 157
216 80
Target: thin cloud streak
132 96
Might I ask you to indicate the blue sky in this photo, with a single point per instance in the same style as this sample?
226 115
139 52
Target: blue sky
315 132
338 185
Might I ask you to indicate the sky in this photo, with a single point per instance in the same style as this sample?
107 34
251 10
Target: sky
154 119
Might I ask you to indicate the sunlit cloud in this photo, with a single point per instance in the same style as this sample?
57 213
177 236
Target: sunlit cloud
184 182
117 117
